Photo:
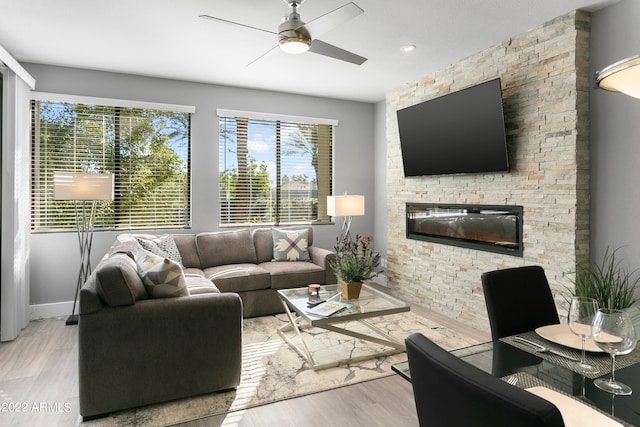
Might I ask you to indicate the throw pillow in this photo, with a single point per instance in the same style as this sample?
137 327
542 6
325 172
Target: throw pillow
164 246
162 277
290 245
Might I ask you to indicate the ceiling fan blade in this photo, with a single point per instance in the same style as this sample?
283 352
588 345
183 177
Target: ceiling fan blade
262 56
326 49
330 20
213 18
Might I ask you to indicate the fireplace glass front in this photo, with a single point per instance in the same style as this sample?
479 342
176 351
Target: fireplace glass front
493 228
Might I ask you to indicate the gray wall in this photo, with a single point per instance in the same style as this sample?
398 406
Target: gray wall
615 139
54 257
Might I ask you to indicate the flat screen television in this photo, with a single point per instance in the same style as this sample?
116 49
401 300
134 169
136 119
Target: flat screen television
459 133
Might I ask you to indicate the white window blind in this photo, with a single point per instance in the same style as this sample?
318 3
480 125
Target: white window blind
147 150
273 170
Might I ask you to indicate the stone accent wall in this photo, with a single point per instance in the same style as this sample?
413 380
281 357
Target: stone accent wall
545 88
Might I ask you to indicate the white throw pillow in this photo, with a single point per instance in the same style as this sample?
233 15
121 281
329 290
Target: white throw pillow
163 246
162 277
290 245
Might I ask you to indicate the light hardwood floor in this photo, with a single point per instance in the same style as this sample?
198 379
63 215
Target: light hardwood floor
39 387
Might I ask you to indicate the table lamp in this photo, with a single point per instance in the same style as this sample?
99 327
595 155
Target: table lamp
85 189
347 206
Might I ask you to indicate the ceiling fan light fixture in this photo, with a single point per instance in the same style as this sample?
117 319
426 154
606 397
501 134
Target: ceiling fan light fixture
295 45
293 36
622 76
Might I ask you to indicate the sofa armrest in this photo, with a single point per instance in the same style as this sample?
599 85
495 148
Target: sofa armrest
322 257
158 350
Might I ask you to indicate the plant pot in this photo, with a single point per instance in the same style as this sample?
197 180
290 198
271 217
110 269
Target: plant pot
350 290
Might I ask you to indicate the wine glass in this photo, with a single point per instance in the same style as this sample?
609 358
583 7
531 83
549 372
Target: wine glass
614 333
581 314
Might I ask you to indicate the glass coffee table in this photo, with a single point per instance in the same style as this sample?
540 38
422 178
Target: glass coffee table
352 322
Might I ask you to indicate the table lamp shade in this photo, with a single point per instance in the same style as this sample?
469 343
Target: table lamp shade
345 205
82 186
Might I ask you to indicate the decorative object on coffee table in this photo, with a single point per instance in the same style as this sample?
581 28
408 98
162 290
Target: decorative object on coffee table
314 290
82 188
350 290
354 262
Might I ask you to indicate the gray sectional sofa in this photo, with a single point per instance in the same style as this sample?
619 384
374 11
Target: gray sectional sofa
156 331
243 262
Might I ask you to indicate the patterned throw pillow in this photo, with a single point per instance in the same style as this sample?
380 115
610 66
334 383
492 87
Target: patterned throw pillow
163 246
290 245
162 277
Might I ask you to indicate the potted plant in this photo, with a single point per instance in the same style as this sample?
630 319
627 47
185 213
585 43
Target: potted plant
608 282
353 263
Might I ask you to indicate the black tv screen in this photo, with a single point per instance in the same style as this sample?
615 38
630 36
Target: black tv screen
458 133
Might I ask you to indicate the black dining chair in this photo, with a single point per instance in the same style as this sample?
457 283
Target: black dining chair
518 300
450 392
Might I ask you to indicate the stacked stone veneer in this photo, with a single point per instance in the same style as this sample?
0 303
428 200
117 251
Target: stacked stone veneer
545 88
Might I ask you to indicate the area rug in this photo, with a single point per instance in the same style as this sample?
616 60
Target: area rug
273 371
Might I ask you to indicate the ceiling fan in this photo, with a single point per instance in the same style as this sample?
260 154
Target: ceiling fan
296 36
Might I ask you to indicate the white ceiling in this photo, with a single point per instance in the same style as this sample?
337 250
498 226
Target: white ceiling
166 38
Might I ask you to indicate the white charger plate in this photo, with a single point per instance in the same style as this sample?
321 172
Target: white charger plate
561 334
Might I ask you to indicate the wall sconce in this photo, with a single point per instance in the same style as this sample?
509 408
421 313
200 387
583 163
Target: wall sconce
347 206
622 76
82 188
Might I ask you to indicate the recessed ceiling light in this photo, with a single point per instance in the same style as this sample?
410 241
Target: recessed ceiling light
408 47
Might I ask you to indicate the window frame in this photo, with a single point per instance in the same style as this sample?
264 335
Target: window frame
290 120
43 224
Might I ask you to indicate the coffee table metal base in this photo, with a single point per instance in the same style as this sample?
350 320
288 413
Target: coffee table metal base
295 325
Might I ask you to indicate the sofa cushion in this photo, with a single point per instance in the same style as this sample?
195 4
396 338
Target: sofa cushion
162 277
263 242
290 245
163 246
191 271
186 244
225 247
238 277
118 282
200 285
290 274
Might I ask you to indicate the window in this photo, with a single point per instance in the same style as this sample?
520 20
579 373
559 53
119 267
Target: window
146 149
274 169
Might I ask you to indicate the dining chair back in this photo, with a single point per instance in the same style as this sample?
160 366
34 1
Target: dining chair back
449 392
518 300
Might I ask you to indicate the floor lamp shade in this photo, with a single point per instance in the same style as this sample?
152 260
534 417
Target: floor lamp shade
85 189
82 186
622 76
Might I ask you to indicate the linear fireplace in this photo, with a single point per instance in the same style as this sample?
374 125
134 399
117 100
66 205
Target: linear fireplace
493 228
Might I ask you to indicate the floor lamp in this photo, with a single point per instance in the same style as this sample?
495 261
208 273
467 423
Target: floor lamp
85 189
347 206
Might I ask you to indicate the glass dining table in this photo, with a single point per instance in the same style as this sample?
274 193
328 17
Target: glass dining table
509 358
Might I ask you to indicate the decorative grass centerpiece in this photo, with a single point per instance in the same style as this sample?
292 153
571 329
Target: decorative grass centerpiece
354 262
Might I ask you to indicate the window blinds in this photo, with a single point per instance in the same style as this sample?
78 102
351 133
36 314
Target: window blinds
147 150
273 170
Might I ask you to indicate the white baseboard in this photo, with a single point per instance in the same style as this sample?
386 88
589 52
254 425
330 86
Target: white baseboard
47 311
